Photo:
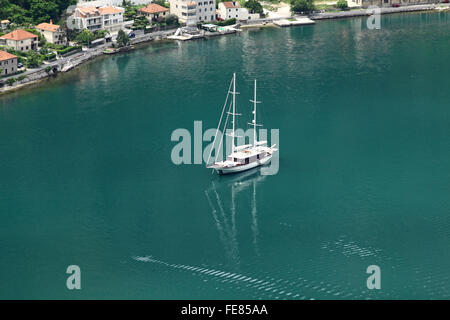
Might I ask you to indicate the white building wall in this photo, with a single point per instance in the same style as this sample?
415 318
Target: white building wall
204 10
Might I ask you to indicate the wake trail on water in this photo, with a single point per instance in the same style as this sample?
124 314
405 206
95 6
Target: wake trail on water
266 287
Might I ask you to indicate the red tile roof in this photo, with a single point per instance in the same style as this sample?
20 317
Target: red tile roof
48 26
18 35
6 55
153 8
231 4
110 10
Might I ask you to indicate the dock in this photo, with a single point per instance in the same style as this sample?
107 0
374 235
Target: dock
293 22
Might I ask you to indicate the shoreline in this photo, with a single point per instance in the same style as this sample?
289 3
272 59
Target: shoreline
39 75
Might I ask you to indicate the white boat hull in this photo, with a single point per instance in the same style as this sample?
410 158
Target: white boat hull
244 167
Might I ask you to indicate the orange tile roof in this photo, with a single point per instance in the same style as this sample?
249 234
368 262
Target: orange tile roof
6 55
48 26
231 4
110 10
18 35
153 8
88 10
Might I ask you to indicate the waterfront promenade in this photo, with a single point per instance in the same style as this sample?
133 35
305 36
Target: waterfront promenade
67 63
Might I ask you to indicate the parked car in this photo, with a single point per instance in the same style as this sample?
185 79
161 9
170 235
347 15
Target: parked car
395 5
445 1
20 65
131 35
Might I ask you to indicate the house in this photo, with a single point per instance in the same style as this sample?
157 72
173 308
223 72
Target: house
233 9
8 63
154 11
4 24
193 11
53 33
20 40
108 18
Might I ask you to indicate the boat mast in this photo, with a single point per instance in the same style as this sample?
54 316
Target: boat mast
254 118
234 110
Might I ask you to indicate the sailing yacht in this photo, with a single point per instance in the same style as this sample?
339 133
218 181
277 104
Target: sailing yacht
246 156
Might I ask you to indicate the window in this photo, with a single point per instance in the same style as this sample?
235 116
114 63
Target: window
247 160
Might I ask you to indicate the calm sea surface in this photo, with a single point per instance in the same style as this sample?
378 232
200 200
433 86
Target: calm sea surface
86 176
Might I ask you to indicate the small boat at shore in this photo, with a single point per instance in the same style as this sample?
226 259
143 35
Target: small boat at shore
246 156
117 50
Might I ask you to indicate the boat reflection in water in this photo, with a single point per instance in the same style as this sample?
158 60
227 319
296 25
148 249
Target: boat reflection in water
224 214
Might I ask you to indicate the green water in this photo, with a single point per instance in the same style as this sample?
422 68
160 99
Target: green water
86 176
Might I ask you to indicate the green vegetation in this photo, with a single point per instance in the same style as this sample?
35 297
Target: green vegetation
68 49
34 59
162 3
140 22
227 22
342 4
302 6
253 6
172 20
10 81
86 37
33 11
122 39
50 56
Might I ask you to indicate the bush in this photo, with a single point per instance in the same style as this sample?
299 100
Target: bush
254 6
20 78
48 69
300 6
227 22
34 59
50 56
172 20
10 81
68 49
342 4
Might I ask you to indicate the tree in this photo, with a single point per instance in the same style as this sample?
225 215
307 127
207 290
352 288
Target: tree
122 38
33 11
301 6
172 20
342 4
162 3
254 6
33 59
140 22
85 37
